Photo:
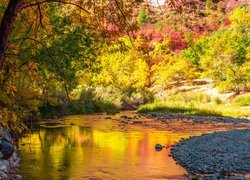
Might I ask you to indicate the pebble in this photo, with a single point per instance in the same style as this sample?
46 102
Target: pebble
196 119
220 152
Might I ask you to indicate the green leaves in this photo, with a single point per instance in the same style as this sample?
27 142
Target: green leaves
143 17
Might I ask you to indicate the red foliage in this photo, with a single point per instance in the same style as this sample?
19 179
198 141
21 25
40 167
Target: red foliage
152 34
227 22
147 31
176 42
112 27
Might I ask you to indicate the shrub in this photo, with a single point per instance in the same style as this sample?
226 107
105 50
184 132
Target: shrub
87 101
217 100
105 106
189 97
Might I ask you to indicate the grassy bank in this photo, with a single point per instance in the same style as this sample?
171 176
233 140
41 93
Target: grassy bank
201 109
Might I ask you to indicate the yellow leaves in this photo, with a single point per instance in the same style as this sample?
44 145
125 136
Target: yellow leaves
172 69
123 71
11 61
140 74
241 17
1 76
32 65
4 112
14 118
10 89
32 70
6 117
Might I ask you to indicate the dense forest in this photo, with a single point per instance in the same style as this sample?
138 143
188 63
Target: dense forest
77 57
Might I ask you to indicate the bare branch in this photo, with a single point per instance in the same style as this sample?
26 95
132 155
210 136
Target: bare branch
41 16
26 34
58 1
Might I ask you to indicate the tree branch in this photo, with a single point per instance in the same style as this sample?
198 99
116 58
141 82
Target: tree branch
51 56
58 1
41 16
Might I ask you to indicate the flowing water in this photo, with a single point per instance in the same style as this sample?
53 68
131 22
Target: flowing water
92 147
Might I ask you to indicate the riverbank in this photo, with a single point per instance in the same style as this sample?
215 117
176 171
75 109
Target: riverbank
195 118
9 158
197 108
222 154
219 154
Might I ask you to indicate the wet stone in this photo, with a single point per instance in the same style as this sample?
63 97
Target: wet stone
6 149
158 147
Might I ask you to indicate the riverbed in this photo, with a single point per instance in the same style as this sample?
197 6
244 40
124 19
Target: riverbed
106 147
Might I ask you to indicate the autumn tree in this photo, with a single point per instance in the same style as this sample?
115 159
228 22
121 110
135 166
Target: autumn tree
42 46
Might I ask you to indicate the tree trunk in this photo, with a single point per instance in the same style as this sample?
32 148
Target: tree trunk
6 26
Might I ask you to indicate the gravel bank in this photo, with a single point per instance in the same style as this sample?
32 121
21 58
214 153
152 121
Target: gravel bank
196 119
215 153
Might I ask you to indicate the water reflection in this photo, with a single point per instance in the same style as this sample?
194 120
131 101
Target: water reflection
97 151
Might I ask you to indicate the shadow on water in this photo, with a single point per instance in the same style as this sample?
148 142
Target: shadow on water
86 147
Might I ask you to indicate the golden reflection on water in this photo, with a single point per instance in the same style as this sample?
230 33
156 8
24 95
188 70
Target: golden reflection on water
97 151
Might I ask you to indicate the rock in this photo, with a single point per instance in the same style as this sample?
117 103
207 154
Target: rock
108 117
3 175
6 149
9 161
125 117
18 177
124 122
158 147
196 119
5 135
3 168
137 122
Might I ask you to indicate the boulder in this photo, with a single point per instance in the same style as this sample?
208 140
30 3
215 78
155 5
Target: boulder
5 135
6 149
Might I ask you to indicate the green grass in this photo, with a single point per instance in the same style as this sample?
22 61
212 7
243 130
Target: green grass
189 97
242 100
194 108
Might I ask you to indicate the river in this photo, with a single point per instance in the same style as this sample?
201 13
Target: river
92 147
